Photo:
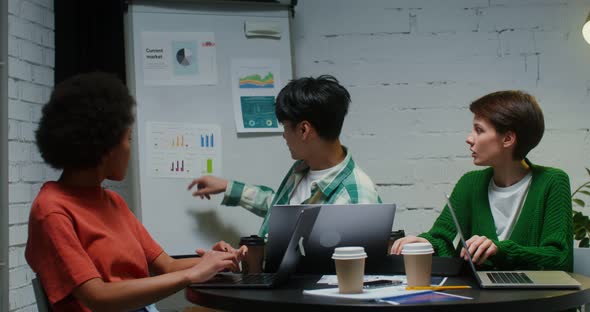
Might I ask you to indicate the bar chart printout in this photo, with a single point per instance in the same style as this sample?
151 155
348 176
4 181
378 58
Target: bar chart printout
183 150
208 140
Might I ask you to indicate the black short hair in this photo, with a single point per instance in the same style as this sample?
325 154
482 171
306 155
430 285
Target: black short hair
85 118
322 101
516 111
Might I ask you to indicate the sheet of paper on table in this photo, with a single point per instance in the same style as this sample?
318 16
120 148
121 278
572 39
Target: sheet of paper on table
367 294
333 280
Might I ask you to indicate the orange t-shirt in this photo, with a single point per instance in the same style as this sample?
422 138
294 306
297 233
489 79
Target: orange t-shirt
76 234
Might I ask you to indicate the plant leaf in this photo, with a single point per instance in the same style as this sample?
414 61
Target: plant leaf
579 202
585 192
578 229
585 243
578 225
588 170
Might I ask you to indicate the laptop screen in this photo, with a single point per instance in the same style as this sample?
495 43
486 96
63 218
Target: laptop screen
461 238
303 227
366 225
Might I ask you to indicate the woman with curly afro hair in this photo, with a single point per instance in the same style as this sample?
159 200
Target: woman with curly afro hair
86 246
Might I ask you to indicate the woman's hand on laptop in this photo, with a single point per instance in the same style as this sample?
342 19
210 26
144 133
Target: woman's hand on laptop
242 252
223 246
239 253
212 262
480 249
398 245
208 185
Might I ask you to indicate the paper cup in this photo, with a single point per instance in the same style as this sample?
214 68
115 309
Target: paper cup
418 263
255 256
350 269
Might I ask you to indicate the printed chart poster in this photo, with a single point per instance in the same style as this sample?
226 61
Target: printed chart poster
179 58
255 84
183 150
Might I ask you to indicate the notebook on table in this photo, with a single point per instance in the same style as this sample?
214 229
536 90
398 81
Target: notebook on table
291 256
515 279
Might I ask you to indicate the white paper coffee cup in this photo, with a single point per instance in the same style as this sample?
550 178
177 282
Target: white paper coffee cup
418 263
350 268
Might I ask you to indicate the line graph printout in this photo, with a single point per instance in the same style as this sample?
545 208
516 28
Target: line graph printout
183 150
255 85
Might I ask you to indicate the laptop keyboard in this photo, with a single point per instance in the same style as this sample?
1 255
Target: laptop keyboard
509 278
258 278
262 278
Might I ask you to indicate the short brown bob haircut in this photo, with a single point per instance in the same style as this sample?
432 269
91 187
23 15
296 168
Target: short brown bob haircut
515 111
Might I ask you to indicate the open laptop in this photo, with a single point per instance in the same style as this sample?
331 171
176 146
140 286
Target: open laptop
515 279
366 225
303 226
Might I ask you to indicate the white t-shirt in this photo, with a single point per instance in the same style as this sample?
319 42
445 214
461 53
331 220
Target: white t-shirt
303 190
506 204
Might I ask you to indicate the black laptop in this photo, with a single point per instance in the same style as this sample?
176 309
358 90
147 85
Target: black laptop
366 225
303 227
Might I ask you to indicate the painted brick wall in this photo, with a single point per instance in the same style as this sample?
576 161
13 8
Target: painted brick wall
412 68
31 53
30 70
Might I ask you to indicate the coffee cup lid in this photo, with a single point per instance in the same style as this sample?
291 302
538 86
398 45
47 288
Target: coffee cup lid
417 249
252 240
346 253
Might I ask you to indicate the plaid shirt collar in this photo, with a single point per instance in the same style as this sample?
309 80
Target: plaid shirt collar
328 184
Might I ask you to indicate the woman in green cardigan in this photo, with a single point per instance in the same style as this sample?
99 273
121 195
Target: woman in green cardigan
517 215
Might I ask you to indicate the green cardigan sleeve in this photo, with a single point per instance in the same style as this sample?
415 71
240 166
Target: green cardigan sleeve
544 243
554 249
443 231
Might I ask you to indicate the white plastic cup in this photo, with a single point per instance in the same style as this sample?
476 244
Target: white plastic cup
418 263
350 269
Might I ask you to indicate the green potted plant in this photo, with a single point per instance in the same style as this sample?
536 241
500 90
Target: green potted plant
581 229
581 221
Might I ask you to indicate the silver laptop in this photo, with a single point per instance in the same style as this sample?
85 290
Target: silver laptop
367 225
304 222
515 279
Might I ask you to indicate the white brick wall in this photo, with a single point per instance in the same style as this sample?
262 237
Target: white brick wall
19 213
31 92
31 59
13 92
22 298
412 68
17 235
30 51
16 256
18 110
19 69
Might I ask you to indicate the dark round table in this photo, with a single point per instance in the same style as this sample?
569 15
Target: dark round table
290 297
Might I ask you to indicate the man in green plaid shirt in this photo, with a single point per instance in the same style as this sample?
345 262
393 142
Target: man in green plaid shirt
312 111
